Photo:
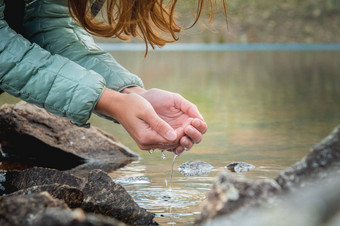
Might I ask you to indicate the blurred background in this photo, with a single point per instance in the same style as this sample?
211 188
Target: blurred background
306 21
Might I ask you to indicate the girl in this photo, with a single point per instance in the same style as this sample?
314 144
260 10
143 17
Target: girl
55 64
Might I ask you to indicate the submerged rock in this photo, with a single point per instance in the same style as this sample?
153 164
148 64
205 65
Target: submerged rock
31 133
238 167
195 168
230 193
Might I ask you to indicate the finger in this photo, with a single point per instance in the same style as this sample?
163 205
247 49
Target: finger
179 150
186 143
193 134
160 126
200 125
188 107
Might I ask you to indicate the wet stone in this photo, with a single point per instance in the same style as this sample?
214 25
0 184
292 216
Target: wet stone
239 167
195 168
103 196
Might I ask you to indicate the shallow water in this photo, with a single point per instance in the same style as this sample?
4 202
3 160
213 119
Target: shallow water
265 108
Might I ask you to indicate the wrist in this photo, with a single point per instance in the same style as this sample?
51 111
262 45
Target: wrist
133 89
109 103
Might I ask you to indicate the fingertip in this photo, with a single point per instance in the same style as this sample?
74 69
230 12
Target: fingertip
179 150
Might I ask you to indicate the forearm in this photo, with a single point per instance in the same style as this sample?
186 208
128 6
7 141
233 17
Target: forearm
59 85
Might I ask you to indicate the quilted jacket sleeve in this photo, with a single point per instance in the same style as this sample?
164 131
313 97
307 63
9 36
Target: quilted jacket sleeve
54 82
48 23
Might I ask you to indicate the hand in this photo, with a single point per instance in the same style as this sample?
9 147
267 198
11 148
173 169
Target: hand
140 120
179 113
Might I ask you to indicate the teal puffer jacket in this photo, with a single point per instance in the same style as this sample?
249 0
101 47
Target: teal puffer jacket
59 67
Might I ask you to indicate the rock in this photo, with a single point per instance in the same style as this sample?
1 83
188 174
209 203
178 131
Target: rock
314 205
97 194
230 193
72 196
320 166
22 209
322 159
103 196
77 217
195 168
238 167
17 180
30 132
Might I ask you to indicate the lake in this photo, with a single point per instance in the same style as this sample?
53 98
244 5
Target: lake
267 108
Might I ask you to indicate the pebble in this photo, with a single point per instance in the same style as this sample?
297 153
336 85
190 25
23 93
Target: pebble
195 168
238 167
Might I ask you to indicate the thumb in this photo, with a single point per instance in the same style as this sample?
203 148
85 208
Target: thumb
161 127
187 107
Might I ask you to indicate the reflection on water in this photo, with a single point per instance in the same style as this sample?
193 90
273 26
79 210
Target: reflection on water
264 108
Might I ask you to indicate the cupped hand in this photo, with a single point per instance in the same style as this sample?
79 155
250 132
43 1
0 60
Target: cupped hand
180 114
139 118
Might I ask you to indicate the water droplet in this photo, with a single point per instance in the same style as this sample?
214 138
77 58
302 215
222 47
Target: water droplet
163 155
150 151
166 182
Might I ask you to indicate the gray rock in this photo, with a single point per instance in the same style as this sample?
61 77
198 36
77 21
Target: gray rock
77 217
31 133
230 193
317 206
195 168
22 209
108 198
314 205
322 159
239 167
72 196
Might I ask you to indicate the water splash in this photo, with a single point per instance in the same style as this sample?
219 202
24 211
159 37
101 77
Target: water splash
171 172
163 155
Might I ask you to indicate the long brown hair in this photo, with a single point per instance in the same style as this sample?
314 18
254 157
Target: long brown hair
153 20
